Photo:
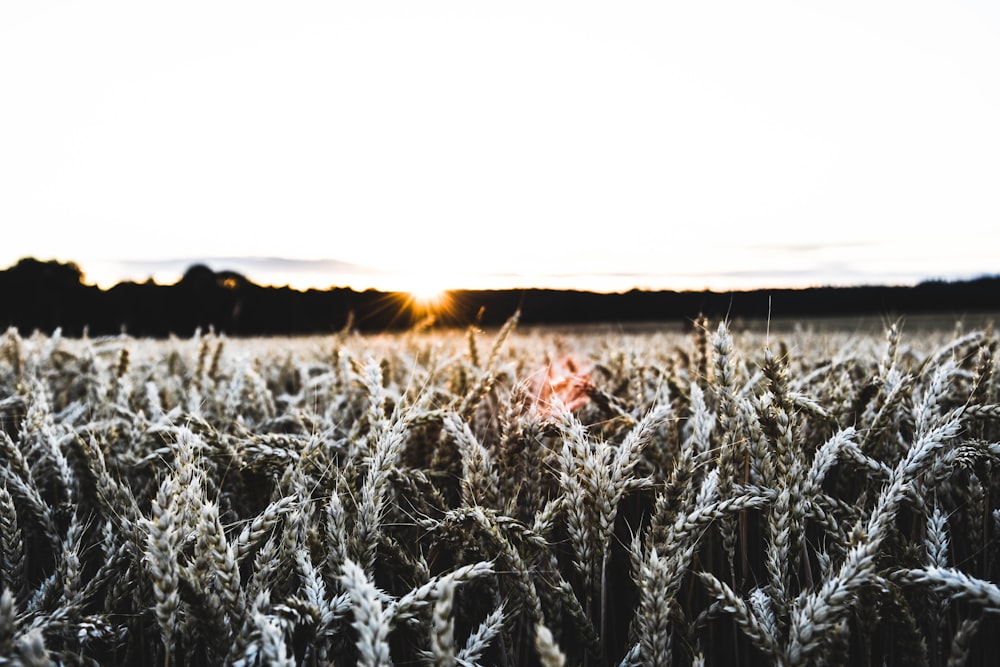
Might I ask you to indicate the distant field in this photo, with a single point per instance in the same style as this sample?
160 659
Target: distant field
867 325
783 492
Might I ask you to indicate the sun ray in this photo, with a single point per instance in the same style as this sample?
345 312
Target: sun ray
427 299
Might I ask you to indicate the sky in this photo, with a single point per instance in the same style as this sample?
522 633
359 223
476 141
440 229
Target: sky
587 145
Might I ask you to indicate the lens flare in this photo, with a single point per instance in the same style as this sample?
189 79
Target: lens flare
427 300
427 296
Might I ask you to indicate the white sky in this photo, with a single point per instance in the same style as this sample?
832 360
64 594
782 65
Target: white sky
573 144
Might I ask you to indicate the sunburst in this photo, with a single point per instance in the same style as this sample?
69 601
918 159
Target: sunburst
427 299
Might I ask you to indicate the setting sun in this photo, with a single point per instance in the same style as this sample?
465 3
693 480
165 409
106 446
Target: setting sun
427 292
428 297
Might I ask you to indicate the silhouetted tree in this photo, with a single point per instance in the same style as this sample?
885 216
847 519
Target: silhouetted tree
46 295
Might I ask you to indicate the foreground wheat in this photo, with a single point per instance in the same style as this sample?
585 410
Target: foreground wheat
716 499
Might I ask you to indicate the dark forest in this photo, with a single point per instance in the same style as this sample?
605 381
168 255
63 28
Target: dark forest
43 296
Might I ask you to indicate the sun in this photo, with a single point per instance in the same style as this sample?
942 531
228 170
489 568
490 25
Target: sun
427 296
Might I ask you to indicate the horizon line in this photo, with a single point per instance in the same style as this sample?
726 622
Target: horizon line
546 282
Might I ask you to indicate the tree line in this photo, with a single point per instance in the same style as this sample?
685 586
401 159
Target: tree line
46 295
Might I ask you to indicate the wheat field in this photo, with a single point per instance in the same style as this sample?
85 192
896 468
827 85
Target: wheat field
721 496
